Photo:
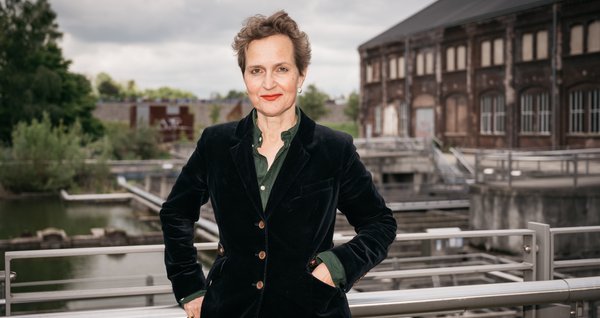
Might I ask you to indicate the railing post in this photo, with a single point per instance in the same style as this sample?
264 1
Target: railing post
575 171
150 298
7 295
510 169
477 158
543 246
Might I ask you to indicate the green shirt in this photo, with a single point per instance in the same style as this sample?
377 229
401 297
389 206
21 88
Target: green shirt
266 178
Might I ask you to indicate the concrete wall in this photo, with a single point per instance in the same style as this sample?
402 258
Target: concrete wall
503 208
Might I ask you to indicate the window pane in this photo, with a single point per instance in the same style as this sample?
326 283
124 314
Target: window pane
594 102
593 39
420 64
576 43
401 71
526 113
461 57
485 53
369 73
498 51
378 120
429 63
499 115
450 58
486 115
545 116
527 47
541 42
576 112
376 71
393 68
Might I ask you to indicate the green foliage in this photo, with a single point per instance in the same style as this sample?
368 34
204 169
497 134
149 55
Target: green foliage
34 76
167 93
312 102
43 157
215 113
233 94
352 109
141 142
347 127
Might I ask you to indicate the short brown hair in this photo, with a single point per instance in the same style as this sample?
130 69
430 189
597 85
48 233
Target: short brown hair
259 27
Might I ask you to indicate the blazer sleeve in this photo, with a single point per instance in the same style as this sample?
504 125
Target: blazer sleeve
178 215
372 220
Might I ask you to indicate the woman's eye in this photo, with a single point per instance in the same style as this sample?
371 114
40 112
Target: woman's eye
255 71
282 69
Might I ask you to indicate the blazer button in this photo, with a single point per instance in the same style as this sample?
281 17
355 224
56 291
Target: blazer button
261 224
262 255
313 263
260 284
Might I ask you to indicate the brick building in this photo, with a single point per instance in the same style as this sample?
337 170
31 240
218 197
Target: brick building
487 74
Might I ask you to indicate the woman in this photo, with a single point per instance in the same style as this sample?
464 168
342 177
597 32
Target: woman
275 180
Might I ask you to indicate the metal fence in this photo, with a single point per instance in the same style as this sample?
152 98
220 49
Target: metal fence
536 267
510 166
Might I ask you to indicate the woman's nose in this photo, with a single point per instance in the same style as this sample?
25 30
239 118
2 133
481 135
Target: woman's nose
269 81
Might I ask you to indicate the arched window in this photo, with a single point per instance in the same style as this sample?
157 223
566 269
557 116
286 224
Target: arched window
492 114
535 113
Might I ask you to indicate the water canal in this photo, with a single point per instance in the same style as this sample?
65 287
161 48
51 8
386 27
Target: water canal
26 216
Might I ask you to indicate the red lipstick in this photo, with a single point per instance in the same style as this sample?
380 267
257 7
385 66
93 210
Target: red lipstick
270 98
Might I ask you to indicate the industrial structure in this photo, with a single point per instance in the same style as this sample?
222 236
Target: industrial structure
487 74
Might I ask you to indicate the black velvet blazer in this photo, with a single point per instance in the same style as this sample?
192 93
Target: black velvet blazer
321 174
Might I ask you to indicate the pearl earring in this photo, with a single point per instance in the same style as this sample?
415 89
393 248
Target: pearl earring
299 90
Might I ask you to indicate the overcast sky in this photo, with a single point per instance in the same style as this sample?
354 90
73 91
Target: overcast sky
186 44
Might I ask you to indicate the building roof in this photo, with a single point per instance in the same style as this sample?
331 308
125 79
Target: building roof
445 13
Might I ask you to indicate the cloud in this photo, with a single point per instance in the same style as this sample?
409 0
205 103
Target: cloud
187 44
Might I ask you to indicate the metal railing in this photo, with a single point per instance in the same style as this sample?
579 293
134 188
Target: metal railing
536 265
511 165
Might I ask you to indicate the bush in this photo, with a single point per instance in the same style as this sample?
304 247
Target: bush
42 158
142 142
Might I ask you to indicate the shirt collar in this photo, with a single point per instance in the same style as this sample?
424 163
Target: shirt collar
286 136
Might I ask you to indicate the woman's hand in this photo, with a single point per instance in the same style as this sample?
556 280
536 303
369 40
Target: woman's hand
192 308
322 273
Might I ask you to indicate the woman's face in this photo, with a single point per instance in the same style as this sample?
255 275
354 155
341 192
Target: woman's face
271 75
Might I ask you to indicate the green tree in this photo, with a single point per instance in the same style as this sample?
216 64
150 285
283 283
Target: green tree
34 76
312 102
107 88
351 111
167 93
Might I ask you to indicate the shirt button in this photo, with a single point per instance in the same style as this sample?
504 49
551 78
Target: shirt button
260 284
262 255
261 224
262 188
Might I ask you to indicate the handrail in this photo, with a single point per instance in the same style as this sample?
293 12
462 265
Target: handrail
461 298
373 303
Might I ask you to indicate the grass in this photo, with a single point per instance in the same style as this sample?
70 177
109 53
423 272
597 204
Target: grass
347 127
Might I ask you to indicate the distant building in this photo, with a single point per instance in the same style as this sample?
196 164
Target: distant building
487 74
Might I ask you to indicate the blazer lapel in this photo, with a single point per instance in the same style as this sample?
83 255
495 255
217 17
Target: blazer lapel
295 161
241 154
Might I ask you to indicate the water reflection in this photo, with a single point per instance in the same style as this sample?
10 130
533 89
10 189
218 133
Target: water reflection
18 217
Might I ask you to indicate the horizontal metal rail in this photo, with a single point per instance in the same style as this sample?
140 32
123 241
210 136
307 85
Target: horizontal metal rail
461 298
428 205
